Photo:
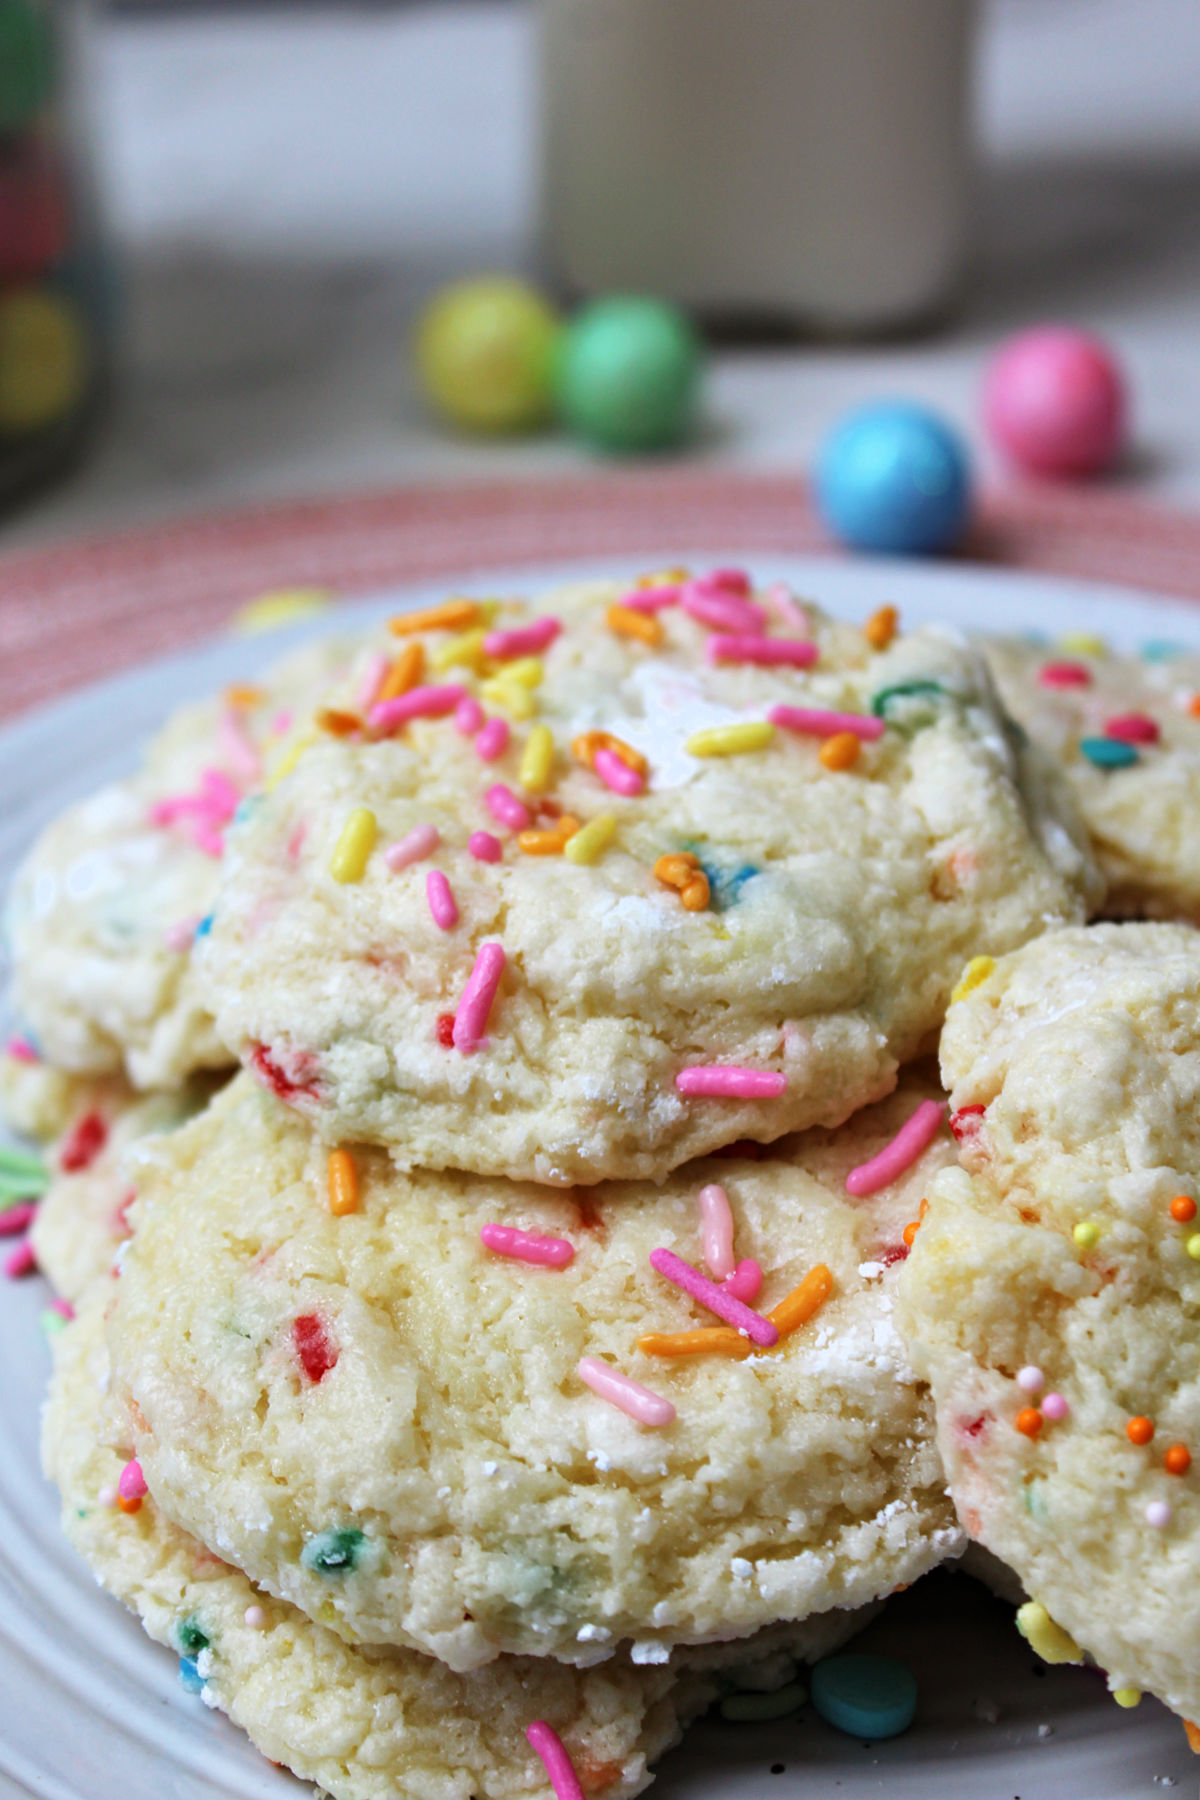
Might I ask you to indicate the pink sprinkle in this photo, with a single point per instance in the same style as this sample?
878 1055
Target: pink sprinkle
181 935
107 1495
470 1021
527 1246
20 1261
1133 728
131 1483
746 1281
901 1153
420 842
728 581
627 1395
787 609
1065 674
468 716
796 653
719 1300
484 847
376 668
281 724
418 703
1054 1408
617 774
559 1767
524 640
21 1050
63 1308
715 1082
16 1219
441 900
237 748
219 794
492 741
716 1230
503 805
651 600
207 838
724 612
814 721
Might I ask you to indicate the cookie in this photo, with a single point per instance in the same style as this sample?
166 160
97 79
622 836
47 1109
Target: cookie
734 945
384 1421
1126 731
367 1724
103 912
1053 1291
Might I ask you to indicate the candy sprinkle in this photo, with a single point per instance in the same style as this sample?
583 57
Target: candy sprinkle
1029 1421
973 976
1183 1209
628 622
590 842
401 676
463 651
1107 753
1055 1408
354 846
1045 1636
413 847
764 652
626 1395
746 1281
793 1311
452 615
504 807
558 1765
712 1081
131 1483
1158 1514
880 628
537 760
20 1262
523 640
484 847
681 871
840 752
492 740
1127 1696
1133 728
1177 1460
468 716
617 775
816 721
716 1299
721 610
1065 674
552 842
1193 1247
343 1183
442 904
585 746
474 1009
387 716
716 1230
1030 1379
910 1141
730 740
527 1246
1086 1234
1139 1430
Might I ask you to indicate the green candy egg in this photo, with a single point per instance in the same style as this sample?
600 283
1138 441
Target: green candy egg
26 63
485 354
628 373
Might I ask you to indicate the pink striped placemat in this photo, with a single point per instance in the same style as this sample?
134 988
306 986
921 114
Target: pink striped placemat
76 611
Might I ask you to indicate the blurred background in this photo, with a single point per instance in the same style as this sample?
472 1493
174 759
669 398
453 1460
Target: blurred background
282 190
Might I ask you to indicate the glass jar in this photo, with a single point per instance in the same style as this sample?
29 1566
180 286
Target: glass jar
54 294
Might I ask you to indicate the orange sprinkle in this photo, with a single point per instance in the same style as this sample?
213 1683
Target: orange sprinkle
681 870
404 673
549 843
338 724
722 1339
452 615
628 623
1194 706
343 1184
129 1506
1139 1430
841 751
1193 1736
1177 1460
1029 1421
798 1307
1183 1209
240 693
587 743
910 1231
880 628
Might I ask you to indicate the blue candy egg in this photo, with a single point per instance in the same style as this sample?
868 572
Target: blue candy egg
894 477
865 1696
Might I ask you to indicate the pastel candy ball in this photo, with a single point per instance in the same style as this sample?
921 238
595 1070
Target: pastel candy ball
865 1696
893 477
485 354
26 63
629 373
1054 401
43 359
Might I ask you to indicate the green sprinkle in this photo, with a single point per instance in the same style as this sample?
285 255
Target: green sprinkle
752 1709
334 1553
900 691
1108 753
22 1166
51 1322
190 1637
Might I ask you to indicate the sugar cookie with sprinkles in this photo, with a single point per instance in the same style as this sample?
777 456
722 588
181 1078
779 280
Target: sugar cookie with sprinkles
648 915
1053 1291
1126 731
368 1724
474 1417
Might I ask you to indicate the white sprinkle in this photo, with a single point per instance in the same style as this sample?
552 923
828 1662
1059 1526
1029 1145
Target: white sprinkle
648 1652
489 1467
871 1271
592 1634
107 1495
444 1493
741 1569
1158 1514
602 1462
255 1617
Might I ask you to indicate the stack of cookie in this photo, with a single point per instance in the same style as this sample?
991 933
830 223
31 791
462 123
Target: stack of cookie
506 1353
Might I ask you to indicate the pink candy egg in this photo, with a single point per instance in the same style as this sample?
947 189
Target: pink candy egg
1054 401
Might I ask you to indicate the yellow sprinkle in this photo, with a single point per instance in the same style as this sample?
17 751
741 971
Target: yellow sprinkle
1083 643
537 760
527 670
239 694
462 652
1086 1234
288 758
1127 1696
517 701
973 976
343 1183
592 840
663 578
731 740
1193 1247
280 607
452 615
354 846
1050 1641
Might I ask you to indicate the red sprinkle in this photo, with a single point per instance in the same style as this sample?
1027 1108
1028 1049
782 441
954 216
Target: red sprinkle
16 1219
1133 728
891 1253
284 1086
965 1122
83 1143
445 1030
20 1261
1065 674
313 1346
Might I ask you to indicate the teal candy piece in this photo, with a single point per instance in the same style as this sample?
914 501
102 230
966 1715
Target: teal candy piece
26 63
627 374
885 700
1108 753
190 1638
334 1553
754 1709
1161 649
865 1696
189 1675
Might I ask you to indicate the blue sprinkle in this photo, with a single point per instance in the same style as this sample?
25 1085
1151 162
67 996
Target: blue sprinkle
1161 649
865 1696
1108 753
189 1675
205 926
724 885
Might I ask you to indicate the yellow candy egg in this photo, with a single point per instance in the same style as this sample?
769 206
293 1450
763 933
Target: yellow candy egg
485 354
43 359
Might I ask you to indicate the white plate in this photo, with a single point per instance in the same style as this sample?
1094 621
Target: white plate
91 1710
